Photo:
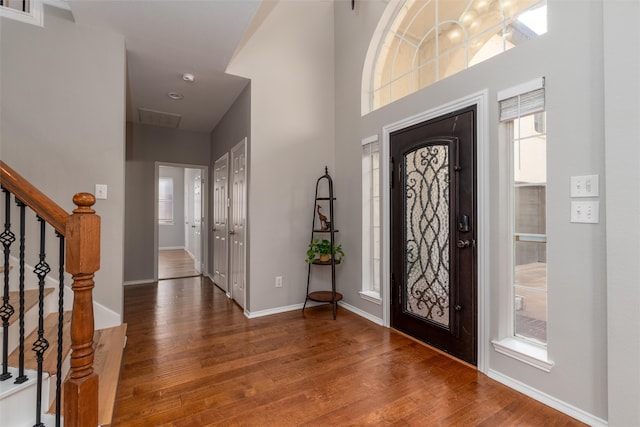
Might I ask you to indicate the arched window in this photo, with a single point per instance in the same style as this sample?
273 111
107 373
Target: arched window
424 41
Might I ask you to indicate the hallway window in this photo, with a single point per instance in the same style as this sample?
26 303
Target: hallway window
429 40
371 219
165 201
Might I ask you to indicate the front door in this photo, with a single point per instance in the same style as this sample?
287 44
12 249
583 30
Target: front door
220 227
434 229
238 222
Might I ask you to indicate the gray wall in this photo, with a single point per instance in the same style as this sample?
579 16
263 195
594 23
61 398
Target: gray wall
570 55
234 126
289 60
63 115
622 109
172 235
147 145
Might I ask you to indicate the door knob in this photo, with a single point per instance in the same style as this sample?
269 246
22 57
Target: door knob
231 232
458 307
463 243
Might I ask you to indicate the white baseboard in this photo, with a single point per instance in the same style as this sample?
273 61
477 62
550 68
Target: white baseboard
137 282
104 317
361 313
550 401
268 312
277 310
170 248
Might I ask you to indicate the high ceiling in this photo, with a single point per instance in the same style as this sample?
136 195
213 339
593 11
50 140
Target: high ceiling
167 38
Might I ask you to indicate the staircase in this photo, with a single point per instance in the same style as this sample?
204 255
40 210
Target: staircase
55 368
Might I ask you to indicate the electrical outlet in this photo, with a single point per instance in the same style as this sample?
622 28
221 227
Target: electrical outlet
585 212
278 281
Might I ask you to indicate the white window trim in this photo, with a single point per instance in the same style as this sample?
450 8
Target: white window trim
510 345
367 292
34 17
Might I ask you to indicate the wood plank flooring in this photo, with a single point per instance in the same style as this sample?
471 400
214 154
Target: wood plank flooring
194 359
175 263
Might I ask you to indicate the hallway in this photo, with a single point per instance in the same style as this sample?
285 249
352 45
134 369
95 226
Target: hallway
194 359
175 263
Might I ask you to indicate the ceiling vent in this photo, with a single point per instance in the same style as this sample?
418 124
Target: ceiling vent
158 118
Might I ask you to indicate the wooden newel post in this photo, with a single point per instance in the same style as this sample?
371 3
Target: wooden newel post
82 261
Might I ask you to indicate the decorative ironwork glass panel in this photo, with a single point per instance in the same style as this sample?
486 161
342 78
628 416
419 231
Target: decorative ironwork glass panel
427 233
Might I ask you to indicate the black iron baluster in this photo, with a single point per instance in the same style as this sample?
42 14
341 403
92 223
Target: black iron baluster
41 345
7 238
60 327
21 375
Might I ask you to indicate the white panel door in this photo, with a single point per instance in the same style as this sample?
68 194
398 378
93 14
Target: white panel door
238 222
197 222
220 222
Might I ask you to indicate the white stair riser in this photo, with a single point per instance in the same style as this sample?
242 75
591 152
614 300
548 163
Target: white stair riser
18 405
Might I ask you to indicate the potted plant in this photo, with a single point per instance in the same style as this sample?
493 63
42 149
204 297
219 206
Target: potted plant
322 248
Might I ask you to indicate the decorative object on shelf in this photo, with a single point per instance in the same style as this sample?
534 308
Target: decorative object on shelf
329 253
322 248
323 221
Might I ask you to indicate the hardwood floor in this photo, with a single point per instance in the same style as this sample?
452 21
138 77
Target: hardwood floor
175 263
194 359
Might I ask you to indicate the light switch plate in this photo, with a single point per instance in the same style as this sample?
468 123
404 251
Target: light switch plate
101 191
584 186
585 212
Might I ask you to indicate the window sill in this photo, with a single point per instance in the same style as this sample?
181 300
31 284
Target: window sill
525 352
371 296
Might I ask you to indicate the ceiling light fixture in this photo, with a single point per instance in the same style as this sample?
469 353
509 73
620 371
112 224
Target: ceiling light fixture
176 96
187 77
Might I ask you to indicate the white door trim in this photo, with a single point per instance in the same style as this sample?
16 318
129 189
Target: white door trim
480 99
242 145
204 254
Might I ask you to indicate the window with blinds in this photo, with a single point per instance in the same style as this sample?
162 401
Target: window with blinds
522 111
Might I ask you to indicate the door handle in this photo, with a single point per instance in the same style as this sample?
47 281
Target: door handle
193 226
231 232
463 243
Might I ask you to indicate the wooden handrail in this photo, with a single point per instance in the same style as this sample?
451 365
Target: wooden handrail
82 237
43 206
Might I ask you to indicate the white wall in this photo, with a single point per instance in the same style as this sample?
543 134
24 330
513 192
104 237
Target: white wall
289 60
171 236
63 115
622 109
570 56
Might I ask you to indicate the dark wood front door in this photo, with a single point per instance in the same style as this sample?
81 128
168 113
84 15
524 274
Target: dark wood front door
433 226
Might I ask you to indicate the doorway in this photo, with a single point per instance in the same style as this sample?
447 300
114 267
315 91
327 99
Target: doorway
180 245
433 207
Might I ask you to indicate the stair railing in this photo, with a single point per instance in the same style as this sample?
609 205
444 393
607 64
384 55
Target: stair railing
79 237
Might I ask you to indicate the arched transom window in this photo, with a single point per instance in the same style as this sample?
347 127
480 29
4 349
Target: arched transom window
429 40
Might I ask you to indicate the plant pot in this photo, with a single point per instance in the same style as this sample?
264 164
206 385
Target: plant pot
325 257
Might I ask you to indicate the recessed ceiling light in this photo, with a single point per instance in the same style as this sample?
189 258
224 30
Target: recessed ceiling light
187 77
176 96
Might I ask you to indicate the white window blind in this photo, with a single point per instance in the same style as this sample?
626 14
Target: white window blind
522 100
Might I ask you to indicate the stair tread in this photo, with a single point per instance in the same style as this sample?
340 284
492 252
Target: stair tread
30 300
108 347
50 361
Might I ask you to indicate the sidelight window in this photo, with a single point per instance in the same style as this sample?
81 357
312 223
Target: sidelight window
524 116
371 219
